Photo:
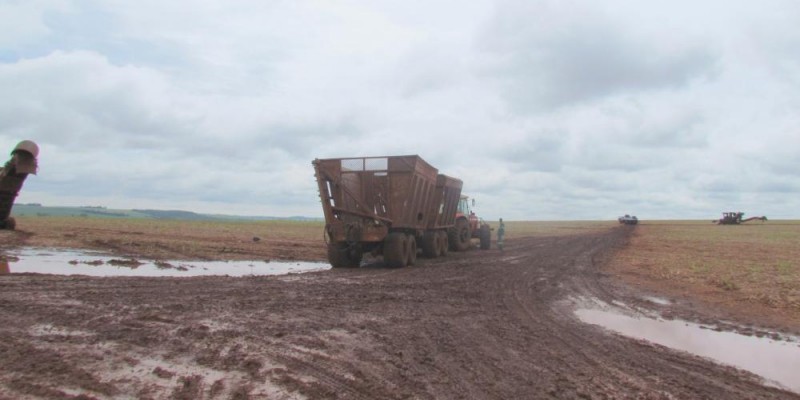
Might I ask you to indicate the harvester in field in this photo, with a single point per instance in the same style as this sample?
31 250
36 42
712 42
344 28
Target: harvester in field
628 219
390 206
12 175
736 218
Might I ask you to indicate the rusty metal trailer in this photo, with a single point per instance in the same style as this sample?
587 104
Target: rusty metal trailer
385 206
12 176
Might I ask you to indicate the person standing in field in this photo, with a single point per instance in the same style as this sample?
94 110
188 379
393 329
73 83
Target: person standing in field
501 231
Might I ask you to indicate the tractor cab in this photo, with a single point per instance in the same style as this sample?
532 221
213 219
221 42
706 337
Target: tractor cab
731 218
465 205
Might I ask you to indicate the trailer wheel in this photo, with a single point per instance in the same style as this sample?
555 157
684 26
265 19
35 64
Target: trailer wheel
411 250
340 255
394 250
486 237
444 243
460 236
430 244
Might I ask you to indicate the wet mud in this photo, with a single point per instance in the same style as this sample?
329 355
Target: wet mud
473 325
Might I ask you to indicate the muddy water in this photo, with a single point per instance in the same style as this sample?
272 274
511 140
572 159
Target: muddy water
658 300
74 262
778 362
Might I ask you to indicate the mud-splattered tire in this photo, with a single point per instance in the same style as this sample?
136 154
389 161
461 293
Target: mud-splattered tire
430 244
394 250
444 243
340 255
459 236
411 250
486 237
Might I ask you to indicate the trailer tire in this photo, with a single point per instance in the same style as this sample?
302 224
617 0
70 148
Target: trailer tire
340 255
486 237
430 244
411 250
394 250
444 243
459 236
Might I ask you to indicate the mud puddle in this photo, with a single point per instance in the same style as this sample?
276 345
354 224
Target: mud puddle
658 300
76 262
777 361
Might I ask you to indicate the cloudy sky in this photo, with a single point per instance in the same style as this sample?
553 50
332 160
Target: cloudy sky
547 110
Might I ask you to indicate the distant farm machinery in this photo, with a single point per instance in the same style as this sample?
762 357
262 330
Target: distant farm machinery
628 219
736 218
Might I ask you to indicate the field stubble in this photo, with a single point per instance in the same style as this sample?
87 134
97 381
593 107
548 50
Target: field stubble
174 239
751 269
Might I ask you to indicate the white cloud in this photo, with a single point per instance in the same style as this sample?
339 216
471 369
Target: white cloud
546 110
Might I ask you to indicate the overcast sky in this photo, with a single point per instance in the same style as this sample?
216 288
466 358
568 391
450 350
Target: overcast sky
547 110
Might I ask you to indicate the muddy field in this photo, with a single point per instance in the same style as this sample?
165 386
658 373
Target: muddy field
473 325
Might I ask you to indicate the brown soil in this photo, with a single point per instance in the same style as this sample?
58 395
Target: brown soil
728 287
473 325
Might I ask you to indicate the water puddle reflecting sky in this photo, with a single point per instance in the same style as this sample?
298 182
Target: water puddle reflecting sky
776 361
78 262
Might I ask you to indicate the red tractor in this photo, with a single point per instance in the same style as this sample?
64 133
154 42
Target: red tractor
468 226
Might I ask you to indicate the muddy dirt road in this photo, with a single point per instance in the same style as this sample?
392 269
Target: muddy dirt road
474 325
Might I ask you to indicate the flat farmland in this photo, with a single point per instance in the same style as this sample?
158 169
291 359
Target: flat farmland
174 239
751 270
482 324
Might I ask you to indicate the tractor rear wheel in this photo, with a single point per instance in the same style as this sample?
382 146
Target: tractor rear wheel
341 255
460 236
411 250
394 250
430 244
486 237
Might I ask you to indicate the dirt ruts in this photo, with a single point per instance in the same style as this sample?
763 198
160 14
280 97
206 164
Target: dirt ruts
473 325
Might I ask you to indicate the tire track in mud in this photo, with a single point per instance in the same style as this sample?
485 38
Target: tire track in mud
472 325
637 369
552 353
